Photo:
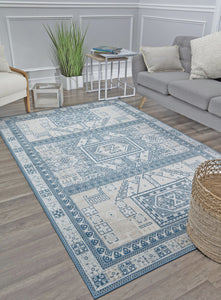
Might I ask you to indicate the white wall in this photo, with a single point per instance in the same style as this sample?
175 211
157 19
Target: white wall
126 23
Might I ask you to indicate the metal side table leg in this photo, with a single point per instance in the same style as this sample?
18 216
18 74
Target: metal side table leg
92 78
86 74
118 77
111 73
99 81
125 79
105 92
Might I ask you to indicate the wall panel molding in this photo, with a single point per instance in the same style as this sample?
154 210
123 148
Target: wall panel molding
136 4
178 7
167 19
131 17
9 19
216 26
61 4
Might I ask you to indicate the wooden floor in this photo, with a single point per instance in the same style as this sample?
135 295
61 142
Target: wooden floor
36 266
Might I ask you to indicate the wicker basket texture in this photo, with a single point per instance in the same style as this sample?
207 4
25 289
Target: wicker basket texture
204 220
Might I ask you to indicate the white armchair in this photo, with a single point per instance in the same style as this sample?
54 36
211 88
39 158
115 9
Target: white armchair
14 86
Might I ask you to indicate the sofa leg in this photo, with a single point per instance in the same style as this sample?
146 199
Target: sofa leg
142 102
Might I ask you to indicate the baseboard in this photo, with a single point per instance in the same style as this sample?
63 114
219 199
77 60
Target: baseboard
56 78
48 79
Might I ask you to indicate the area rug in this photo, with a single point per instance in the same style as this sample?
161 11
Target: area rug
114 182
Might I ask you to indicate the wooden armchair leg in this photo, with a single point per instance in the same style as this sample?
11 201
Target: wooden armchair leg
28 109
142 102
28 102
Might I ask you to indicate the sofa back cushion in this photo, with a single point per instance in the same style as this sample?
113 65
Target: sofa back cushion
185 50
206 57
162 59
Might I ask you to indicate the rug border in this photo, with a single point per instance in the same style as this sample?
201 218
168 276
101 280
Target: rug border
83 275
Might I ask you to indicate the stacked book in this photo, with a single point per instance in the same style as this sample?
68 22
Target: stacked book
106 50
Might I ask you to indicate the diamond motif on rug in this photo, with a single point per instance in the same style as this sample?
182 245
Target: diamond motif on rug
167 203
110 149
114 182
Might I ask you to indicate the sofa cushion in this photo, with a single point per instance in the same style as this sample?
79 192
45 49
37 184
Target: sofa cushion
215 106
11 83
159 81
185 50
162 59
197 92
206 57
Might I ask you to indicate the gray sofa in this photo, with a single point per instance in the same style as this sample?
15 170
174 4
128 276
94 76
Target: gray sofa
198 99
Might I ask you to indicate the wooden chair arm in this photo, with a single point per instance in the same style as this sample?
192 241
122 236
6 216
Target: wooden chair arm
20 72
27 89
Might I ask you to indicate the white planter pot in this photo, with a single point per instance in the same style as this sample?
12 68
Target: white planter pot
72 83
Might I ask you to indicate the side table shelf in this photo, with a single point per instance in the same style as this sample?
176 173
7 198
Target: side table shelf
105 58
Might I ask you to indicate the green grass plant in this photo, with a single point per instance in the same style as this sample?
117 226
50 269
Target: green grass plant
68 41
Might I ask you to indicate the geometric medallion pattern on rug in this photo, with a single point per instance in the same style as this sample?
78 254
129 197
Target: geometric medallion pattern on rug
114 182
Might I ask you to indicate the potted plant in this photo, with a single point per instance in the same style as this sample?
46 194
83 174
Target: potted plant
68 43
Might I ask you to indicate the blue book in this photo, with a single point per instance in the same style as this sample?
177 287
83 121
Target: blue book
107 49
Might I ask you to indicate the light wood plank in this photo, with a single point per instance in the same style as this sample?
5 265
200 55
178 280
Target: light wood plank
204 291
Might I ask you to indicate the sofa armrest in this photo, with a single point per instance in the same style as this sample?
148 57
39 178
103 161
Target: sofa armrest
23 73
138 65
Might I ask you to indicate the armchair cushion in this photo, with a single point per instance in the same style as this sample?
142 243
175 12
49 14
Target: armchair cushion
11 83
4 67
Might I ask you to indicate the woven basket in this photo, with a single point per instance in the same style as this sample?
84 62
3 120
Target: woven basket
204 221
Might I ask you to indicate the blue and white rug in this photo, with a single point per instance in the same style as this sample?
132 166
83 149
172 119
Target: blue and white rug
114 182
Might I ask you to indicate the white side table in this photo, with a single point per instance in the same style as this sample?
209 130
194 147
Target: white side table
105 58
48 95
